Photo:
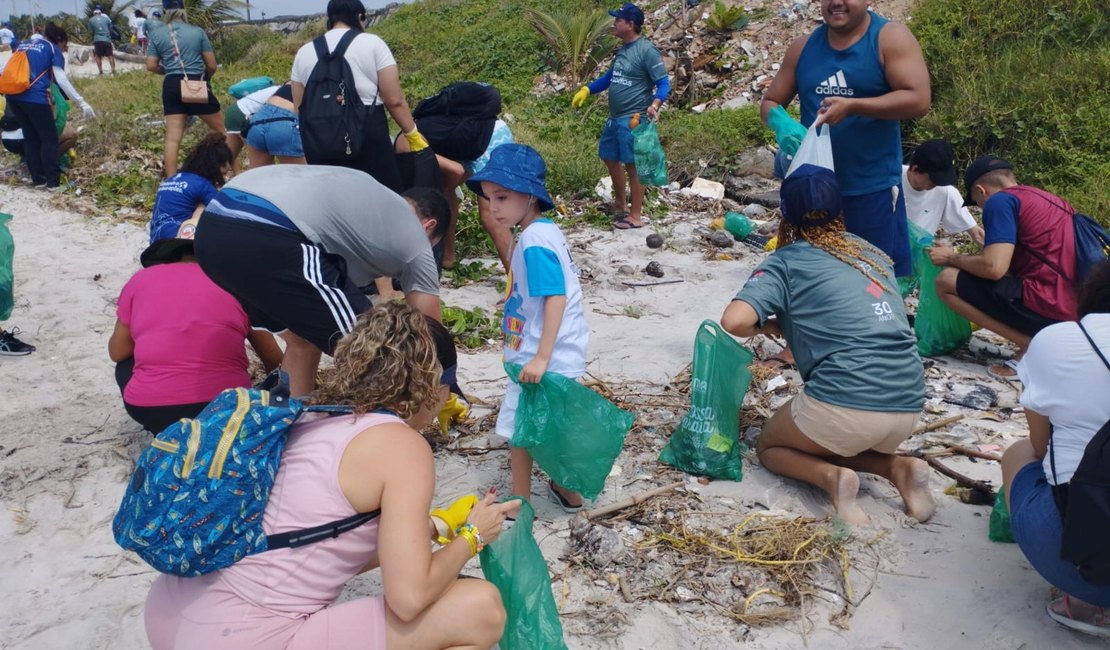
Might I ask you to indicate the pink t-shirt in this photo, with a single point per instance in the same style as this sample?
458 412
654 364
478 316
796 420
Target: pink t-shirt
189 336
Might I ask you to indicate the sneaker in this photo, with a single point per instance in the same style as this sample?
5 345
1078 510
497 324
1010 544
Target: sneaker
13 347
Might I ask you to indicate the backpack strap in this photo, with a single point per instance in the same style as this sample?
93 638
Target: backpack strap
320 43
306 536
1051 447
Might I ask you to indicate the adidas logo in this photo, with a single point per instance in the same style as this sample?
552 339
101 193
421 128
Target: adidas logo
835 85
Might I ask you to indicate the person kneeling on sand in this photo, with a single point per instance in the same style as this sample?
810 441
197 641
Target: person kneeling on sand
179 338
295 242
833 297
1067 378
392 369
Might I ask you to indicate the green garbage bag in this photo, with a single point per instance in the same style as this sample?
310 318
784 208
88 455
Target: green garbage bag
514 564
707 441
1000 520
647 151
7 277
939 329
573 434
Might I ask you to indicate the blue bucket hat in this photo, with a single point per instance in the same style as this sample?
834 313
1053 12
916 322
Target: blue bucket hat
810 189
515 167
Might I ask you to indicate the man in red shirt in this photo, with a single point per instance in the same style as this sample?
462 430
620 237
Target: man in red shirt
1024 279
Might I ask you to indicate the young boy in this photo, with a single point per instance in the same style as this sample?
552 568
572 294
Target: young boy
544 325
932 199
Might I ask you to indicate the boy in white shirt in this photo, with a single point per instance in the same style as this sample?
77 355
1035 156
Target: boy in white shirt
932 199
544 325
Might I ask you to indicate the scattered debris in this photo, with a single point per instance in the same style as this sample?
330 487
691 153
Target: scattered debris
974 396
654 269
721 239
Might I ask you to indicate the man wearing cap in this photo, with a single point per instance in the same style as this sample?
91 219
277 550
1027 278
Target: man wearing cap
293 243
861 74
8 42
1022 281
637 83
931 197
101 28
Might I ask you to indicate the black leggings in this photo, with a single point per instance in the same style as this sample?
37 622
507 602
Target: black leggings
153 418
378 158
40 141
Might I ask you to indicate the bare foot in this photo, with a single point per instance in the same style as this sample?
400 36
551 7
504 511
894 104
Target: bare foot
911 477
843 496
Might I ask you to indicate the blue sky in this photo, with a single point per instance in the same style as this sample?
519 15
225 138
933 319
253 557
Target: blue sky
271 7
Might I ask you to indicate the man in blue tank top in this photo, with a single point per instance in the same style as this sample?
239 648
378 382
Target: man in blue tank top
860 74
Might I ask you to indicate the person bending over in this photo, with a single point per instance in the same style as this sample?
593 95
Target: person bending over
390 369
833 297
184 195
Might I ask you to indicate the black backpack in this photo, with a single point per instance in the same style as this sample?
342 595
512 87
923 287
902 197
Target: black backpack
333 117
1084 503
458 121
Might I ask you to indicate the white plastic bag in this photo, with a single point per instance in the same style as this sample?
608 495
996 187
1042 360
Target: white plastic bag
816 149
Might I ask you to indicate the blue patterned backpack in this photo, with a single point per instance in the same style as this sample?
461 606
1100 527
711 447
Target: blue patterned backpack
196 498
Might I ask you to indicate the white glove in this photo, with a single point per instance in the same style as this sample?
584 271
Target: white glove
88 110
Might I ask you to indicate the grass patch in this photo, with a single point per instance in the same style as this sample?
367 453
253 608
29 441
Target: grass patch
1025 81
472 328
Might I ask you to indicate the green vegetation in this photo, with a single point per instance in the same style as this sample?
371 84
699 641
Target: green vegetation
579 40
1028 81
474 328
726 19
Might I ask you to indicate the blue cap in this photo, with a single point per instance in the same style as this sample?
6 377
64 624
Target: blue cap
173 4
629 12
810 188
515 167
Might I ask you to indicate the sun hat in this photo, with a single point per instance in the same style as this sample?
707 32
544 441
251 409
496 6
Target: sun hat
934 159
810 189
977 169
171 249
629 12
515 167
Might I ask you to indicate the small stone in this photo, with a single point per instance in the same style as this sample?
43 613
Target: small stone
654 269
654 240
626 270
738 101
721 239
700 108
754 210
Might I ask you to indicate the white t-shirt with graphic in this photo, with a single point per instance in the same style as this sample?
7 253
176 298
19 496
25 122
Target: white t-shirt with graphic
366 55
1066 382
940 206
542 267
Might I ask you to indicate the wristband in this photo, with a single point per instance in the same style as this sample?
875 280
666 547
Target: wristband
470 533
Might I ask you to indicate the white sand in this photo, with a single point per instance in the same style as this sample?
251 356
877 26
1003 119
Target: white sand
66 450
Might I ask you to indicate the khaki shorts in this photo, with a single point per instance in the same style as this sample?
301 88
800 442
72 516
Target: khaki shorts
846 431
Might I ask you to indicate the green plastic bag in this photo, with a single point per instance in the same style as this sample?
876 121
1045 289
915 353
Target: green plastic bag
514 564
7 276
939 329
707 441
573 434
647 151
1000 520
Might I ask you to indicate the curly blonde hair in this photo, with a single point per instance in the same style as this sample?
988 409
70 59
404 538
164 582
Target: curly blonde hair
387 362
830 237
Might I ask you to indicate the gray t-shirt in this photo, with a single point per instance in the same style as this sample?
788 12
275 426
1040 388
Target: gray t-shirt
193 43
850 336
350 214
637 68
100 26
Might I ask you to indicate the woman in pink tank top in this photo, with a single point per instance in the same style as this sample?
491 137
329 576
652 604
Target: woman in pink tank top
333 468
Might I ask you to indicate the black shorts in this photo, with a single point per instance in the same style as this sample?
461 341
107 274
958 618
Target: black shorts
102 48
1002 301
283 281
171 99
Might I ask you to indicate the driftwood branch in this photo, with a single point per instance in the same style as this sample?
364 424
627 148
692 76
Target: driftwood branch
629 502
974 453
938 424
628 283
964 481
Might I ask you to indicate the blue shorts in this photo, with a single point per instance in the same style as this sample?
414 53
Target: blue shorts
276 131
880 218
1038 529
616 142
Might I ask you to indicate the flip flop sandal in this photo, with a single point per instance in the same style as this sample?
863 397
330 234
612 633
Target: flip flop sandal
1100 628
561 500
1004 371
625 224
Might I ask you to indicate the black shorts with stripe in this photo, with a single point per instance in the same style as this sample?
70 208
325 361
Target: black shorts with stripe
283 280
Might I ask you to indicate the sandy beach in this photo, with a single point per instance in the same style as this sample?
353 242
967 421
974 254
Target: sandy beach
67 447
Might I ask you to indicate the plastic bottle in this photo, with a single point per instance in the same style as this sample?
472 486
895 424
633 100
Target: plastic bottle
738 225
635 121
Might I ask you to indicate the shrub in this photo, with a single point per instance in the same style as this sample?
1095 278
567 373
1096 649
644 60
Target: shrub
726 19
579 40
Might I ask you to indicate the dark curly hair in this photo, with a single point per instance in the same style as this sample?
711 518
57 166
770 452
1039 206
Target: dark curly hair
208 158
1094 295
55 34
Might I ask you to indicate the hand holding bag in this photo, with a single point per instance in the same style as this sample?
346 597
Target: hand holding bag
192 92
816 149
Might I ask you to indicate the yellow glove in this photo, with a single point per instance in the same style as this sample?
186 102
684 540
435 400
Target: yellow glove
772 244
580 97
453 412
416 141
450 518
